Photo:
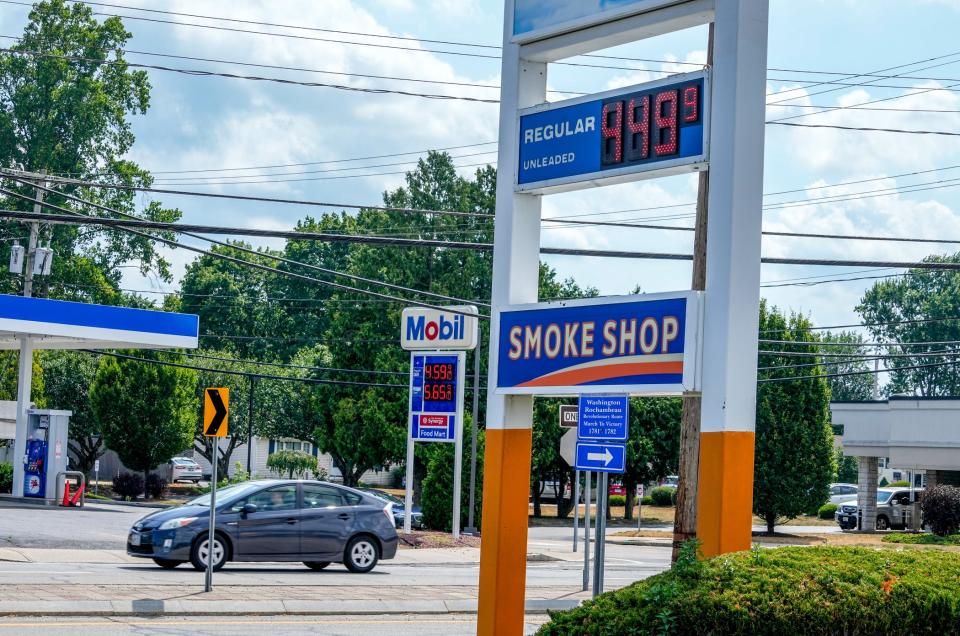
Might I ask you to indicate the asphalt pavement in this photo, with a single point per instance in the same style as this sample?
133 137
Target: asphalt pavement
344 625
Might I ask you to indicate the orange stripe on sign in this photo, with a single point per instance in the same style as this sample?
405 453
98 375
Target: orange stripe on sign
503 542
725 492
605 372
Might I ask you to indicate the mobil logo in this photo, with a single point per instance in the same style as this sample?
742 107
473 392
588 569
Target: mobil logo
452 328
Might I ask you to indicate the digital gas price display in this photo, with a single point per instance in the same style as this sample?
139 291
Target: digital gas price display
435 396
659 128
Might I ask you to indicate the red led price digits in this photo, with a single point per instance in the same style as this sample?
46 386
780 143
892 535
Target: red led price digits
665 123
438 392
611 125
691 104
638 128
650 127
439 371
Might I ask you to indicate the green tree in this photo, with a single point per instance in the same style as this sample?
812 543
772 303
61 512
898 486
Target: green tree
848 357
293 463
72 116
794 440
67 378
846 467
919 307
437 499
653 448
146 412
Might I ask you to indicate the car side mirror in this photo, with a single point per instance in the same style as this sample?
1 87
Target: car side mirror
249 508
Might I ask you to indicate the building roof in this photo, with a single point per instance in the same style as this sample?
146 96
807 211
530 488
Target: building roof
59 324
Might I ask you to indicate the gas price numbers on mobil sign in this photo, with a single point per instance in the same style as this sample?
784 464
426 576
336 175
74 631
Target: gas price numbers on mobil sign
659 126
433 397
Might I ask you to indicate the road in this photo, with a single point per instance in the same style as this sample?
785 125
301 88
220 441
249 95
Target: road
363 625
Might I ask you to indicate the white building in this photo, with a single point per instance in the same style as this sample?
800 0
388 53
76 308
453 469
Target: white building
914 434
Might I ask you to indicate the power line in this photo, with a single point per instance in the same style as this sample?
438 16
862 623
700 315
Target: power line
241 261
850 373
868 129
281 365
262 376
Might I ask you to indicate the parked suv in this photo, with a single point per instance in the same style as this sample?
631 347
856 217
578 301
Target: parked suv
894 509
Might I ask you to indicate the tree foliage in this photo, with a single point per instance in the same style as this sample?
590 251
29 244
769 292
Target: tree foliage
919 307
653 448
794 440
67 378
292 463
847 355
146 412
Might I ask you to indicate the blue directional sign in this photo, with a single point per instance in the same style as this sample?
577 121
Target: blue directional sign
603 418
603 458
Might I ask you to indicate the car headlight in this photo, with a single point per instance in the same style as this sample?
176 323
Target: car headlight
173 524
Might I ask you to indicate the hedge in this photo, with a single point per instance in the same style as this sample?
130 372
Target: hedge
6 477
827 511
922 539
663 495
790 590
617 500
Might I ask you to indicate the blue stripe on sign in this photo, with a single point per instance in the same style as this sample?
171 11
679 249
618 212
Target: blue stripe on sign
62 312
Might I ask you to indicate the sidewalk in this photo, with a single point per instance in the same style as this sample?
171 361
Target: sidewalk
158 598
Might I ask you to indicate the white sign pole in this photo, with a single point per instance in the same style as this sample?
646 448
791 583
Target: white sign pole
458 446
576 508
408 495
208 579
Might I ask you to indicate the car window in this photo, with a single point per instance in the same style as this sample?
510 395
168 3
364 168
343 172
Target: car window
320 496
848 490
883 497
350 498
272 499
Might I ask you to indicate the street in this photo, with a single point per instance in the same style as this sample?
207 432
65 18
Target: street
345 625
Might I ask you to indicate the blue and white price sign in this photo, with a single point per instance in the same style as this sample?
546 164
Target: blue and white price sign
603 418
436 396
658 128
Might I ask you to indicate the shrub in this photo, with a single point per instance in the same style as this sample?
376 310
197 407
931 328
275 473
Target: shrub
617 500
941 509
663 496
292 463
789 590
6 477
397 474
921 539
128 485
827 511
647 500
156 486
883 482
900 484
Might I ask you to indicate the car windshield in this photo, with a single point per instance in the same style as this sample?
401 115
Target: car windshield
226 495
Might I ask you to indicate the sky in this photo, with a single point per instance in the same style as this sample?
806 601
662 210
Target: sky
204 123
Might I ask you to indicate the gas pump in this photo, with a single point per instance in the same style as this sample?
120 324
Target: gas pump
46 453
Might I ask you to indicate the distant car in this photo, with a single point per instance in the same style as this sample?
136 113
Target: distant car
399 507
894 509
617 489
315 522
671 481
185 469
842 492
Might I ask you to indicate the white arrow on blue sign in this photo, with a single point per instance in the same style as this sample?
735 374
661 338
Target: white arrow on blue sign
605 458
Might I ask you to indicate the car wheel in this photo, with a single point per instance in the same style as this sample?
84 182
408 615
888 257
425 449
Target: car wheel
201 549
361 554
316 565
883 523
167 564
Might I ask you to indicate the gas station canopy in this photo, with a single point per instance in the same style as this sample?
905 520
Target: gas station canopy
58 324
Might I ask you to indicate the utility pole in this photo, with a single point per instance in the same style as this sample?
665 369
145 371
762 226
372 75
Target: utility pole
685 520
471 529
253 380
32 246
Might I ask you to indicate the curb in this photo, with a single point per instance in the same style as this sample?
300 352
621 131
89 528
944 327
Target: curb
259 608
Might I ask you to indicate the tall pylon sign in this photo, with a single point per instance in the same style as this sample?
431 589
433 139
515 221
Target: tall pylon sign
639 345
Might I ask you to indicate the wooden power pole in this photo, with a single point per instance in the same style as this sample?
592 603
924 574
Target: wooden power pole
685 521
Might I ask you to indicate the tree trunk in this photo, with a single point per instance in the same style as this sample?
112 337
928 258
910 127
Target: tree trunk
631 489
771 520
564 505
146 491
536 499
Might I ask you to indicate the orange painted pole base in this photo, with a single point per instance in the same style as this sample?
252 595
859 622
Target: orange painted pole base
725 493
503 543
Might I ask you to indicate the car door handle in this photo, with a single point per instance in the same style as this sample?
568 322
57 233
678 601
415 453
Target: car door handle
343 515
291 521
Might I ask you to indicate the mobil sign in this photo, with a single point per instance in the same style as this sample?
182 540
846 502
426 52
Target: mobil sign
640 345
450 328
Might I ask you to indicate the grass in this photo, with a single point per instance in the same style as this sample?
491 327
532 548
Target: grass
791 590
922 539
